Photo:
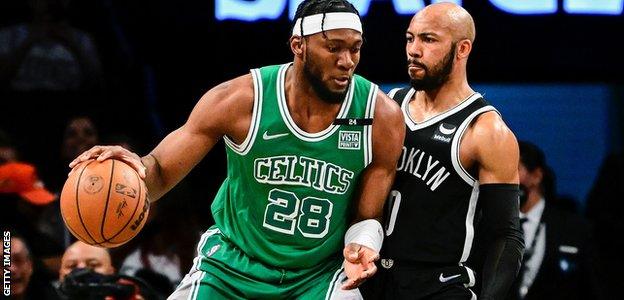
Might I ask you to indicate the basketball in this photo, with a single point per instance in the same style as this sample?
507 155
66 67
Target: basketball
104 203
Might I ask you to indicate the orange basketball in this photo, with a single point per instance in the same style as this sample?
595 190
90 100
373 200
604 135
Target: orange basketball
104 203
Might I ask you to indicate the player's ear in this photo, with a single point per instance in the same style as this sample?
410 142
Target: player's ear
463 48
296 45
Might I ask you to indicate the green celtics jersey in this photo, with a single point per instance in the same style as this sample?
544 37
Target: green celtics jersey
288 193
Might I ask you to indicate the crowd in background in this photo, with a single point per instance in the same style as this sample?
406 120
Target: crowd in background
45 62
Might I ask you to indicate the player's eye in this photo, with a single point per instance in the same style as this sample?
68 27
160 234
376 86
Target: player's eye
409 38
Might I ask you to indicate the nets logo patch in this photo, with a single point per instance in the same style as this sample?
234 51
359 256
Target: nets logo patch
444 132
387 263
349 140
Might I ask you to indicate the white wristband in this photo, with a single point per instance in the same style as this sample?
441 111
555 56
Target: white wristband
366 233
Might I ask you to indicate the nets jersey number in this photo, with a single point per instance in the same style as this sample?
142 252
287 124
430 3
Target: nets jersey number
286 213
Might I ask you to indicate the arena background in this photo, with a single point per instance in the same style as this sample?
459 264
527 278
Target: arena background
554 73
552 67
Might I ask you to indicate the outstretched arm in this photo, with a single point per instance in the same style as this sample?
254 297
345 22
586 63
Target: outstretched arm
388 135
224 110
497 155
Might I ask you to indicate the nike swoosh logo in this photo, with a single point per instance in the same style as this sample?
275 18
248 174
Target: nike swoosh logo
267 137
446 131
445 279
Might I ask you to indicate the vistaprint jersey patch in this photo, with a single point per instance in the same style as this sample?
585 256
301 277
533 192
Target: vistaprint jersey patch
349 140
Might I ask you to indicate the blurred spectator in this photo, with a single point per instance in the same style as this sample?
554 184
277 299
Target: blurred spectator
21 267
21 179
82 255
559 261
79 135
7 150
33 211
25 284
87 273
604 207
47 53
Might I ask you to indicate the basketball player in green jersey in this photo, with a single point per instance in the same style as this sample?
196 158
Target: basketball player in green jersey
312 150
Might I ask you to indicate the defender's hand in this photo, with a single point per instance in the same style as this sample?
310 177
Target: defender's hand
359 264
101 153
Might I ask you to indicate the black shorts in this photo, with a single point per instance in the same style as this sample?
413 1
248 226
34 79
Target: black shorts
395 281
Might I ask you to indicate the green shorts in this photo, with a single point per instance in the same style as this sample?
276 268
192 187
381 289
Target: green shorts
224 271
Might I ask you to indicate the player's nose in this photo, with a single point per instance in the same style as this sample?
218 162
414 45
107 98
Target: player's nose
346 60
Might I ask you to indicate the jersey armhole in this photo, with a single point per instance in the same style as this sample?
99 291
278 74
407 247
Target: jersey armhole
247 144
455 159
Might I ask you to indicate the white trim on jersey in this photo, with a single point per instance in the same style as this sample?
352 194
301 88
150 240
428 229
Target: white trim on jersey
196 292
192 281
474 296
472 207
455 159
368 130
471 276
330 288
393 92
413 125
247 144
335 291
290 123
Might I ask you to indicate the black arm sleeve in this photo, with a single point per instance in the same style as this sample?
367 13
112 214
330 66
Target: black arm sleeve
504 241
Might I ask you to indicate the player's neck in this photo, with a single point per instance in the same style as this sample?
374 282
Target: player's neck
433 102
454 91
308 110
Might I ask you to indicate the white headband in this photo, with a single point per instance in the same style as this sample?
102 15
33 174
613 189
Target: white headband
333 20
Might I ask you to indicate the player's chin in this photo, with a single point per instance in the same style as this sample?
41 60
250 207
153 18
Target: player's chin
417 74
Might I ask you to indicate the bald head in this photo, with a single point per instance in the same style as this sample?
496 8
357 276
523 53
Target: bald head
81 255
448 16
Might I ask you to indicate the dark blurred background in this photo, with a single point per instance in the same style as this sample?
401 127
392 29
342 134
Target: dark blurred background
133 70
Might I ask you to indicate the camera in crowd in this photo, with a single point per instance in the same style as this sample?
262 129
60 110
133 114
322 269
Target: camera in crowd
85 284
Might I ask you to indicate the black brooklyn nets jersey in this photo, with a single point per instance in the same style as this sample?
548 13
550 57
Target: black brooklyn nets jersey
431 207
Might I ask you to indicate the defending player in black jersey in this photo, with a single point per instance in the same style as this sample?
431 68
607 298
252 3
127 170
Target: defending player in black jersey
459 167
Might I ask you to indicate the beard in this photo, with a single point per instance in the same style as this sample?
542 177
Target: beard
312 73
436 76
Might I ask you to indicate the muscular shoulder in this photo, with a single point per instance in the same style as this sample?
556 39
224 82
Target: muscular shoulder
388 112
388 126
236 92
495 149
222 108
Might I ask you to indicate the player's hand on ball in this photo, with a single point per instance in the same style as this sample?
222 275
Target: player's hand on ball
359 264
101 153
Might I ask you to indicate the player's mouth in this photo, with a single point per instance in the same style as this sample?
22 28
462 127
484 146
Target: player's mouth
342 81
415 67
